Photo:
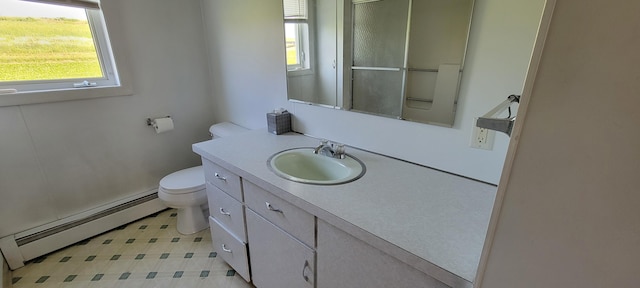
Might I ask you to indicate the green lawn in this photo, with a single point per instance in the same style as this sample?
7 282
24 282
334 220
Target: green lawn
292 56
42 49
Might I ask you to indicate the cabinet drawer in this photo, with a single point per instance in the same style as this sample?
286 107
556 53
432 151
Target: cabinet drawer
223 179
227 210
278 259
231 249
291 219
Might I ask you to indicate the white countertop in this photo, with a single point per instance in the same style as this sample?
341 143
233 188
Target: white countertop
429 219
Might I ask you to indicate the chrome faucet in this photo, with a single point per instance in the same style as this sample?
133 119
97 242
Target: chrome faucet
332 150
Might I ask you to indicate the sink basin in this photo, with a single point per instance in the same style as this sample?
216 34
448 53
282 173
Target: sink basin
302 165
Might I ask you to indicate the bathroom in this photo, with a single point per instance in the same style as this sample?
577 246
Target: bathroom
60 159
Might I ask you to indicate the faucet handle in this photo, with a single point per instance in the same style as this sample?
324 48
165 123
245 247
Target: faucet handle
340 151
323 144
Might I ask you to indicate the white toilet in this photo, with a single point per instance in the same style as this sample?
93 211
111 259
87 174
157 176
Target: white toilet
185 190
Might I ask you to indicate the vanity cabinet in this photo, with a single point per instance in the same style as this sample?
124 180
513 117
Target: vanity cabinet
281 240
429 233
344 261
248 222
272 242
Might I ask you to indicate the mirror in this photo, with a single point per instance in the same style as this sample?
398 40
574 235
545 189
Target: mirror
394 58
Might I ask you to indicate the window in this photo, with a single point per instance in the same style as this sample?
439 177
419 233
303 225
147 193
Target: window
50 45
296 35
296 29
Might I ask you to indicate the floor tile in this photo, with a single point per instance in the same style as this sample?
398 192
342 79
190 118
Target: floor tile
146 253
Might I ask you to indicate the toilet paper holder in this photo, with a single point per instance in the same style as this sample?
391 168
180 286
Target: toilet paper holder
151 122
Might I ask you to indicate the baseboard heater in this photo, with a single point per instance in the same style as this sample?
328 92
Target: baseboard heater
33 243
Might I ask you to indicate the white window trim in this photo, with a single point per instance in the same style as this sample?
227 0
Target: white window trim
86 4
308 68
303 45
121 87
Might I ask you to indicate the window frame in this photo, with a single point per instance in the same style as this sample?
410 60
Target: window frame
306 35
302 35
115 68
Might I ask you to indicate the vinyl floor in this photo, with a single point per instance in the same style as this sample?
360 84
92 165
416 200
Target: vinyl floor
147 253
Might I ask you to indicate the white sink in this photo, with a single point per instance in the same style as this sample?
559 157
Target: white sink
302 165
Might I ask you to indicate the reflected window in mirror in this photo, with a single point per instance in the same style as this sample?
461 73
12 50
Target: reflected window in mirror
297 39
311 50
296 28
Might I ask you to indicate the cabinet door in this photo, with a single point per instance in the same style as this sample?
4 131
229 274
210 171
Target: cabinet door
344 261
277 259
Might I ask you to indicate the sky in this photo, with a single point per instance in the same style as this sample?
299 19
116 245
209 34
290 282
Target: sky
24 9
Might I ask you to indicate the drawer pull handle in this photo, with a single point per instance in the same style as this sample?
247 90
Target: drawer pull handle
270 207
224 248
224 212
220 177
304 270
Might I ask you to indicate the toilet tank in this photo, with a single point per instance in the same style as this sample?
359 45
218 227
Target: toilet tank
225 129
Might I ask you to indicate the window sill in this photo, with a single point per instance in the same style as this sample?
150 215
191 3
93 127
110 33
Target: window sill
299 72
46 96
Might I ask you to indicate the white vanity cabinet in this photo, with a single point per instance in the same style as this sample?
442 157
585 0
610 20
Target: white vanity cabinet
227 217
288 247
344 261
281 240
428 232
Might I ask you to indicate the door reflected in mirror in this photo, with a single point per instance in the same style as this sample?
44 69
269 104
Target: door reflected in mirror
394 58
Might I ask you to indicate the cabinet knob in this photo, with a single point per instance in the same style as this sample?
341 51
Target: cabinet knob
220 177
224 248
270 207
224 212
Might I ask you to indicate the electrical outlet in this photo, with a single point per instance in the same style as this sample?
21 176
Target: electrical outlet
482 138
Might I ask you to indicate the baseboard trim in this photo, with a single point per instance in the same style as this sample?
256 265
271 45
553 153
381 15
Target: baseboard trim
40 241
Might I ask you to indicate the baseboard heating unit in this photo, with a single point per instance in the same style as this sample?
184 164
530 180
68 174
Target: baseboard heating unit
50 237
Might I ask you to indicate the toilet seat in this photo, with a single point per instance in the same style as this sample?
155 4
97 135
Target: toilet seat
184 181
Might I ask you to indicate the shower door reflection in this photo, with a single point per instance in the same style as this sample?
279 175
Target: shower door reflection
407 57
379 58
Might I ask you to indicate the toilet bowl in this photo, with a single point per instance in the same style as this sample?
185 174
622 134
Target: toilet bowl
185 190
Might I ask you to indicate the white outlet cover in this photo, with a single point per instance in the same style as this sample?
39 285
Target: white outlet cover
480 142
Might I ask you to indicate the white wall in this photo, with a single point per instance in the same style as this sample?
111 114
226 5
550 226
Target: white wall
249 80
570 215
58 159
247 59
